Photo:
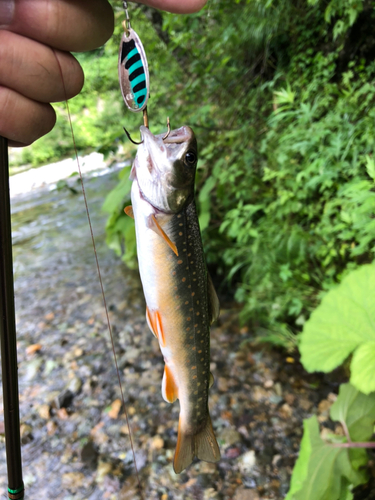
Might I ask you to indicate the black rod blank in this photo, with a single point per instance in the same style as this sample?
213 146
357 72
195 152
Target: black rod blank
8 336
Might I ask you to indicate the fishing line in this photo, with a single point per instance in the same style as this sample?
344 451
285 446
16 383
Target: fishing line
100 276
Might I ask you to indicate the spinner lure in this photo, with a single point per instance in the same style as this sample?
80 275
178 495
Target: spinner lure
133 68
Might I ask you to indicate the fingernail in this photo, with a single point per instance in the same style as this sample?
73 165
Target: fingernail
6 12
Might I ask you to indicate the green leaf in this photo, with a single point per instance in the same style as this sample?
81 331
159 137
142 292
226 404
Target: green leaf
117 196
370 167
355 409
363 367
322 471
342 323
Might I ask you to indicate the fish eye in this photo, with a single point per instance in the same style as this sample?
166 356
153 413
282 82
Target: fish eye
190 158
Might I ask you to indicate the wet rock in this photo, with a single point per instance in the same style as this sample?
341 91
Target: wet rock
32 368
222 384
115 409
72 481
286 411
64 399
229 437
246 494
32 349
259 394
51 427
129 491
305 404
74 385
26 433
289 398
103 469
247 462
89 454
44 411
211 493
157 443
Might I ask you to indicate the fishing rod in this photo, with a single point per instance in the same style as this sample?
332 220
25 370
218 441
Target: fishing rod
8 337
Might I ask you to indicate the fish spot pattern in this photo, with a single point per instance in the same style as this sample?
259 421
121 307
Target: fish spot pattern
191 307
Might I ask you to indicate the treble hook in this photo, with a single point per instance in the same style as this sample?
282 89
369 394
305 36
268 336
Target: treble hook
146 125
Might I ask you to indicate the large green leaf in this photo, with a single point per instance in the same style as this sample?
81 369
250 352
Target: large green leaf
322 471
357 411
342 324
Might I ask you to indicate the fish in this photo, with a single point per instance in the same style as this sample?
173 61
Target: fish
180 297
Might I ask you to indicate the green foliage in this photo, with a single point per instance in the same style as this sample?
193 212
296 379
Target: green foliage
344 323
325 470
120 228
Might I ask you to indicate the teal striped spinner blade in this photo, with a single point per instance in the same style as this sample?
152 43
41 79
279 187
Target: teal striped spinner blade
133 71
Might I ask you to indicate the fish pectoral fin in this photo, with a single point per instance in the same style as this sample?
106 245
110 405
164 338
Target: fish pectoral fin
202 445
129 211
213 301
211 382
155 226
169 388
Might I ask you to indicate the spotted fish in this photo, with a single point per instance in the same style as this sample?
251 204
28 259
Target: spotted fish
181 300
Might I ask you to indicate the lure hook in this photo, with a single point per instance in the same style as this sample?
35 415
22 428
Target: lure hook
130 139
169 129
145 119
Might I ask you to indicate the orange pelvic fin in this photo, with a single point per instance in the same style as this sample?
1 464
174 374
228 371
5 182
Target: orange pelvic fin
149 321
129 211
169 387
155 226
202 445
159 329
156 326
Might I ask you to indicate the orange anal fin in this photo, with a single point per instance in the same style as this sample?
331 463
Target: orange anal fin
129 211
155 226
169 387
149 321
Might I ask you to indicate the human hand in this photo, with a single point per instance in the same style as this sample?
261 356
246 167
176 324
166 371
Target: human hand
36 37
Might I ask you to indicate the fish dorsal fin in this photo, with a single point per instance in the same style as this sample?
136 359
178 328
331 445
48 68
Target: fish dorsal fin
211 382
129 211
169 388
155 226
213 301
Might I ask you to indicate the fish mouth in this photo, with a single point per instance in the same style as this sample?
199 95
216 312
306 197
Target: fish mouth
178 136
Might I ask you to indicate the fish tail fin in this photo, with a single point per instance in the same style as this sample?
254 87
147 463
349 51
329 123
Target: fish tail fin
202 445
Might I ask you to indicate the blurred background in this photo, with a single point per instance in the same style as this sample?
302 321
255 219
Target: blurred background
281 97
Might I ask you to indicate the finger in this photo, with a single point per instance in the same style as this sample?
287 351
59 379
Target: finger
176 6
37 118
69 25
33 69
